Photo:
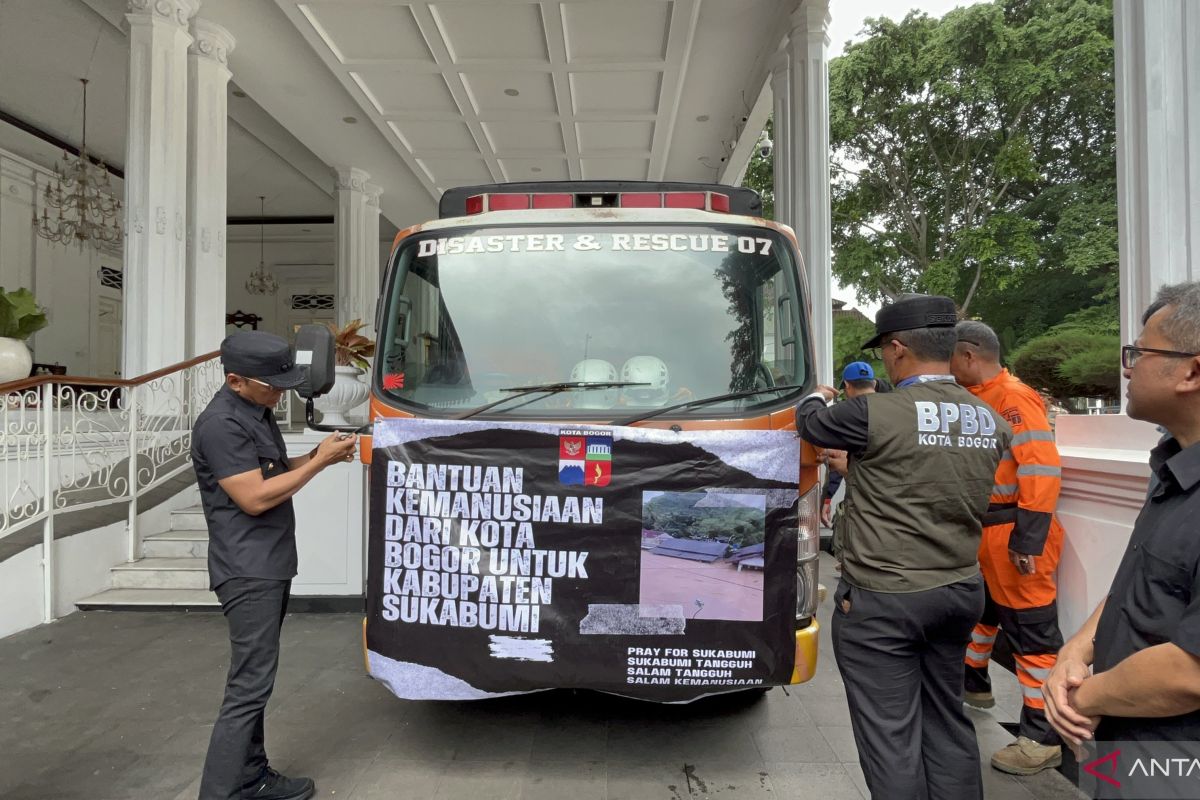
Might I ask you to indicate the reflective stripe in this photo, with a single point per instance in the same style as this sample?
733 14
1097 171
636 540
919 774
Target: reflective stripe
1037 673
1032 436
981 639
1005 488
976 660
1038 469
1031 692
1007 455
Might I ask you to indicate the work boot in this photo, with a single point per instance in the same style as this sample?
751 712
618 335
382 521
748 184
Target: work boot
980 700
1027 757
273 786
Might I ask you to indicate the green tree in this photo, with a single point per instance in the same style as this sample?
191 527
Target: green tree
974 156
1068 362
849 333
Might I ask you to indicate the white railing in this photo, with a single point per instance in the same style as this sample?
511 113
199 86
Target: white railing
70 444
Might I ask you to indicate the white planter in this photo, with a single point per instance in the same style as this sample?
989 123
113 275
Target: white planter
15 360
347 393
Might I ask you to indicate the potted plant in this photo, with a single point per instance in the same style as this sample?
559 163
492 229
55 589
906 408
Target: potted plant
20 318
351 351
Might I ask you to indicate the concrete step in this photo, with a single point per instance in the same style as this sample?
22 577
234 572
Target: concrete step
188 519
151 600
176 544
162 573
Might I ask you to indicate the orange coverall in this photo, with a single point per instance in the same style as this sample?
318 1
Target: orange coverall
1021 518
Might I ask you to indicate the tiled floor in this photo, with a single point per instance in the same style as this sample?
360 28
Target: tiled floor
119 705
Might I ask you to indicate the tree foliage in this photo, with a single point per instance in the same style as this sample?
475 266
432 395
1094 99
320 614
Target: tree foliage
1069 362
974 156
849 333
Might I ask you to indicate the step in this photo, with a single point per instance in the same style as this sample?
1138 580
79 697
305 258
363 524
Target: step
151 600
162 573
176 544
188 519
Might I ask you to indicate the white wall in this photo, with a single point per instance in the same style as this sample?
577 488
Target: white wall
64 279
1105 461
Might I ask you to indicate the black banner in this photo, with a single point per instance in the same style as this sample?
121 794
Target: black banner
512 557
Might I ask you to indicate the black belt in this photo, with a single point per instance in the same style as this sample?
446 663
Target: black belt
1000 514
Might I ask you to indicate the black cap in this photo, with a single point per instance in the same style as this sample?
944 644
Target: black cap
911 312
262 356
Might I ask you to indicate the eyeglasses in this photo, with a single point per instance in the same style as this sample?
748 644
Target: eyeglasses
261 383
876 353
1130 354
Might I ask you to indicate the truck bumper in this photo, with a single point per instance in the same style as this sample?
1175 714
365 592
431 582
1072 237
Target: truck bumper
806 653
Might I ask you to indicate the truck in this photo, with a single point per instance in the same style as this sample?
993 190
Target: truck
597 307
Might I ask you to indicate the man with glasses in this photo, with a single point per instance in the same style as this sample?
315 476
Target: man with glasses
246 482
1142 643
1019 553
921 462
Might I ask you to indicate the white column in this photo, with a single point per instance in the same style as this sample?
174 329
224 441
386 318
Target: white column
357 247
781 96
808 198
208 78
156 185
1158 149
1158 206
373 272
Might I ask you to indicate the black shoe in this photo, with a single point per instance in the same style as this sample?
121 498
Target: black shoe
273 786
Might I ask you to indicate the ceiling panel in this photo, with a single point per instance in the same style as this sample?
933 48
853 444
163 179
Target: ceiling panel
598 137
418 135
632 92
615 169
493 91
491 30
535 169
455 171
368 31
513 137
645 26
397 92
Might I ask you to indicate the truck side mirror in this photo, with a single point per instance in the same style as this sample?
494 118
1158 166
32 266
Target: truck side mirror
314 352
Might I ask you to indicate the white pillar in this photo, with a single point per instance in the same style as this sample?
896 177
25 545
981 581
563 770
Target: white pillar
1158 150
357 247
208 78
781 95
156 185
808 198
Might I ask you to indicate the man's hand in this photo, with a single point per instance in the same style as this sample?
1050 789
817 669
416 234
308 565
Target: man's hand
1025 564
1058 692
838 461
827 513
829 392
336 448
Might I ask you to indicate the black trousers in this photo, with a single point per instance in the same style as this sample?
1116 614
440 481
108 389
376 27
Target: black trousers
237 756
901 659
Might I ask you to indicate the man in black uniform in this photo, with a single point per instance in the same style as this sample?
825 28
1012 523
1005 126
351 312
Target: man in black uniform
921 463
246 484
1142 643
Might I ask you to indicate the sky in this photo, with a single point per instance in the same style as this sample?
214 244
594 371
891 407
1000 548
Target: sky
847 21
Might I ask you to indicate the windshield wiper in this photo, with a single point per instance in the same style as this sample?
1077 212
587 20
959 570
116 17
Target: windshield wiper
705 401
547 389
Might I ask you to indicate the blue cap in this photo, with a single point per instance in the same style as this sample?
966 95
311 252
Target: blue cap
858 371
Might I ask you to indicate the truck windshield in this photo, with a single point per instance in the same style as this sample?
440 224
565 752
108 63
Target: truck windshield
688 311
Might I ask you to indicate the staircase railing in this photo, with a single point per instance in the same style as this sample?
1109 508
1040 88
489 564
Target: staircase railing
73 443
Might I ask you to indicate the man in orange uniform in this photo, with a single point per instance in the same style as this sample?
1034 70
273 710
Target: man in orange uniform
1019 552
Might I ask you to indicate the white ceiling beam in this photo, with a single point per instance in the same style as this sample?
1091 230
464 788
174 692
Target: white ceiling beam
685 14
556 46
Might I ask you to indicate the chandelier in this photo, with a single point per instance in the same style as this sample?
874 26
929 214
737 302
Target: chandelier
81 196
261 282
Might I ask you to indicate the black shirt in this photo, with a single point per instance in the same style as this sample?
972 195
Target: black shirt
233 436
1155 596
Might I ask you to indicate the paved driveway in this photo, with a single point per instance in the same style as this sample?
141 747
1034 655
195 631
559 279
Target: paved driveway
119 705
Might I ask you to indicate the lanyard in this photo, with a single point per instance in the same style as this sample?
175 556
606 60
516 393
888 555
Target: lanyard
915 379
